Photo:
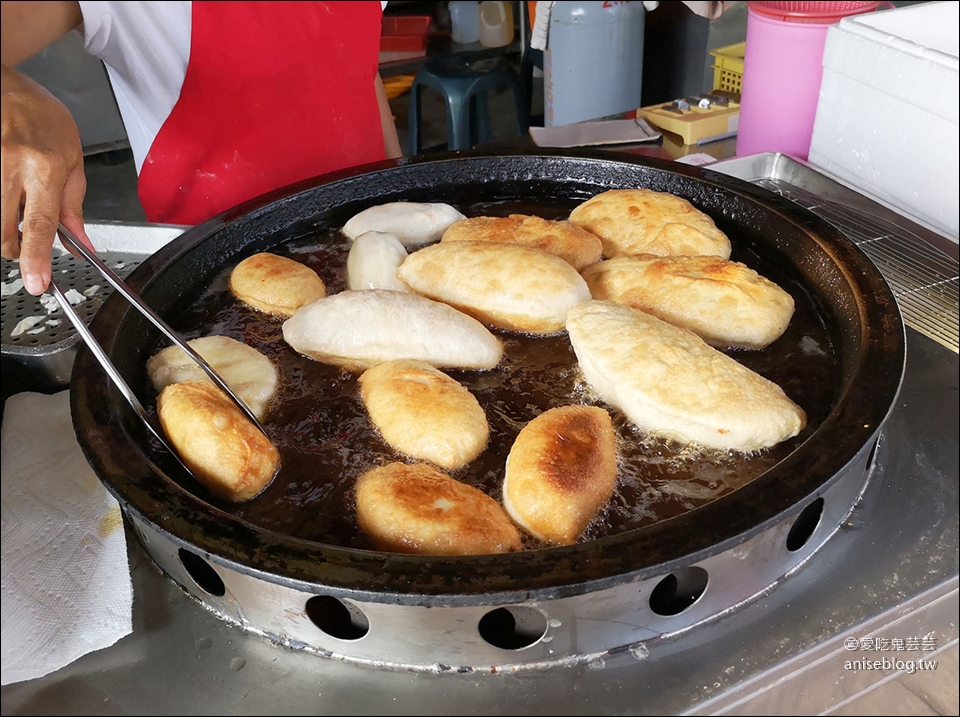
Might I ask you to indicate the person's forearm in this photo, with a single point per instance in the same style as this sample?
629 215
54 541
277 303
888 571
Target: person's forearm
391 141
28 27
41 175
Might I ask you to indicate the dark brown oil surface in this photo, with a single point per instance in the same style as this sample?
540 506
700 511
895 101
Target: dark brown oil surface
326 439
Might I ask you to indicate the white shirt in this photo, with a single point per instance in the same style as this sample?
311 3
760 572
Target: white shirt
145 47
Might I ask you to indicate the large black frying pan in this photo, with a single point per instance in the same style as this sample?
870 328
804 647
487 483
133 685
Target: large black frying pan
858 313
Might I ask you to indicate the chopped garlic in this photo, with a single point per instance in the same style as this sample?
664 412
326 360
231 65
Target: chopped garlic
10 288
49 303
89 292
26 324
74 296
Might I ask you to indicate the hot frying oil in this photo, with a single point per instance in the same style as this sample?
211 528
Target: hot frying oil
326 439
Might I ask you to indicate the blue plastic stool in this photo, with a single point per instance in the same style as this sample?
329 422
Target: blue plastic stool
463 80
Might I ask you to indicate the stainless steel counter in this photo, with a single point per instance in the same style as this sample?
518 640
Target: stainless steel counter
890 574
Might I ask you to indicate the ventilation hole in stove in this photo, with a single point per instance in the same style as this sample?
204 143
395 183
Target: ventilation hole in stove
337 618
678 591
202 573
512 628
804 525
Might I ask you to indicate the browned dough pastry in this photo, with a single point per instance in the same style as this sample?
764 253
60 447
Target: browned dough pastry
220 445
726 303
506 286
424 413
561 470
275 284
642 221
670 382
574 245
417 509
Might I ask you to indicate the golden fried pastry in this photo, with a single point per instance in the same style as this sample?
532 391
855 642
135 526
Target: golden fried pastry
220 445
248 373
561 470
417 509
275 284
423 413
574 245
670 382
642 221
507 286
373 260
359 329
413 223
725 303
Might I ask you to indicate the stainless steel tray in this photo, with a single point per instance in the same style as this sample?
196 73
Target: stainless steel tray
891 573
45 351
919 264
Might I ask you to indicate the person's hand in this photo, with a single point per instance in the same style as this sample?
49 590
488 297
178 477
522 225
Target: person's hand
709 10
41 176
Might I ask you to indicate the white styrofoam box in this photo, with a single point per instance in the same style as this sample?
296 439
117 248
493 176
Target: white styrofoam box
887 115
128 237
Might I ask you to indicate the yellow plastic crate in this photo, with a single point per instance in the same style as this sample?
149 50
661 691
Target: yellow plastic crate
728 67
396 85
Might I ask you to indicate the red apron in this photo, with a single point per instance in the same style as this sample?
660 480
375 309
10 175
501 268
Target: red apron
274 93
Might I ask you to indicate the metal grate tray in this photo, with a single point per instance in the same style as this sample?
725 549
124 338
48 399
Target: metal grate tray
53 332
923 278
44 347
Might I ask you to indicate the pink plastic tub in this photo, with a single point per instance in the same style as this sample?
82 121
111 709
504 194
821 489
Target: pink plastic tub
782 69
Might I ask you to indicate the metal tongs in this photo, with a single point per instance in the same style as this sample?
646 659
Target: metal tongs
67 237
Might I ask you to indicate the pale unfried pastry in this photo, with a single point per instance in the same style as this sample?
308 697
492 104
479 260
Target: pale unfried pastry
726 303
373 260
248 373
507 286
642 221
574 245
223 449
424 413
413 223
275 284
670 382
561 470
359 329
417 509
